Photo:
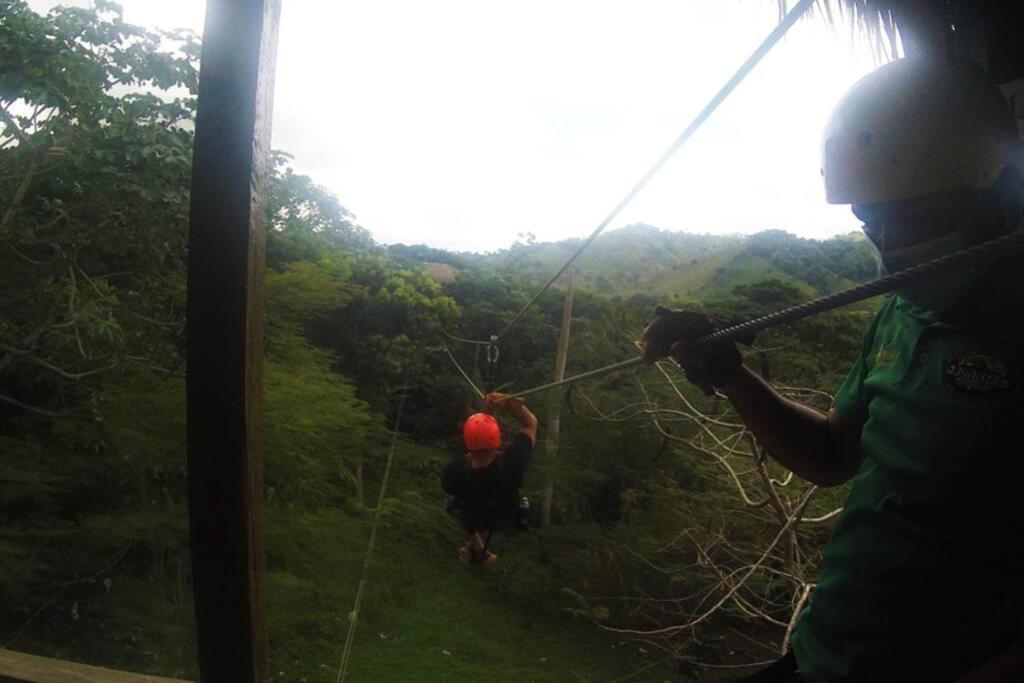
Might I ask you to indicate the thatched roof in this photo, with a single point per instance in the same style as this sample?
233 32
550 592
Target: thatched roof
876 18
985 32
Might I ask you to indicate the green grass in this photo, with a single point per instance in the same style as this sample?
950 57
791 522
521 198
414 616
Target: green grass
425 616
456 628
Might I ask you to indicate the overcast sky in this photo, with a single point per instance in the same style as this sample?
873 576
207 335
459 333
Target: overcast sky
462 123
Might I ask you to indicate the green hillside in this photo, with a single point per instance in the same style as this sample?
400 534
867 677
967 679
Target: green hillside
641 259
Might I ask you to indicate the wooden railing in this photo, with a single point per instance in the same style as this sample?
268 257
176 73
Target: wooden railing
18 667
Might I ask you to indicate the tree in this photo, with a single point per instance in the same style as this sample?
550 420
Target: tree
737 546
95 147
92 240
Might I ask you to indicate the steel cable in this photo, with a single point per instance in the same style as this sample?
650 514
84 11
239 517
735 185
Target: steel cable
764 48
973 256
976 255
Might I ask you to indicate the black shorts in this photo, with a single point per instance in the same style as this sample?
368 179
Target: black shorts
499 521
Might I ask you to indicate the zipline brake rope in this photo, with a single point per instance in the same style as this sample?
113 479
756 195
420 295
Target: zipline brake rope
730 85
353 616
976 255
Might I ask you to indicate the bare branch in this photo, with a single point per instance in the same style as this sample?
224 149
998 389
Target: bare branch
32 409
14 127
19 194
804 594
71 311
823 518
732 591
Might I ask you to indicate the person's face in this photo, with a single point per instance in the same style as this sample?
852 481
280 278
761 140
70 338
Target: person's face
901 223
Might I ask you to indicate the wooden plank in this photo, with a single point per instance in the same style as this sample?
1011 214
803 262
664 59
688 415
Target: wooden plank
19 667
225 336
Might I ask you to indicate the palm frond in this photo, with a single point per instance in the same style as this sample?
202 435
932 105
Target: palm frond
875 19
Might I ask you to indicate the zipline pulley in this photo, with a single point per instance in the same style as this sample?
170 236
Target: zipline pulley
492 363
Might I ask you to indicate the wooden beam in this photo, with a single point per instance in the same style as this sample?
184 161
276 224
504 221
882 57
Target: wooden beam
25 668
225 336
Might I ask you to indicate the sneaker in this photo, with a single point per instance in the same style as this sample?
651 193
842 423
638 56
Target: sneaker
473 558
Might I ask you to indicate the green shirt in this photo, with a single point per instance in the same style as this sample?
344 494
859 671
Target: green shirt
920 578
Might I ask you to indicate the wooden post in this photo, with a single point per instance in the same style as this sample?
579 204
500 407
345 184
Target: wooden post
555 404
225 336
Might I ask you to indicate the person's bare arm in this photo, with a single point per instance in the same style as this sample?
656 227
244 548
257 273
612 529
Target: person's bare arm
817 447
516 408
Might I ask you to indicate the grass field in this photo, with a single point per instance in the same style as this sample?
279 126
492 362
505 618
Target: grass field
425 616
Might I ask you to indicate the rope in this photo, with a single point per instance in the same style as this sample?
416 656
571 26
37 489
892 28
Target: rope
974 256
466 341
354 614
730 85
579 378
462 372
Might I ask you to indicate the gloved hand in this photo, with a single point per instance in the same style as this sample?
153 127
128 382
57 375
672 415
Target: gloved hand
497 400
708 366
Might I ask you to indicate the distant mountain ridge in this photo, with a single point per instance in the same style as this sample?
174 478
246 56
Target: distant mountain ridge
648 260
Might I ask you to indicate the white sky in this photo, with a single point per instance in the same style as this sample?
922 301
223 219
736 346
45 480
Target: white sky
460 123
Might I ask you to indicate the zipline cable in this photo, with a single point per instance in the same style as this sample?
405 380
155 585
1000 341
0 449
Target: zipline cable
974 256
462 372
354 614
730 85
479 342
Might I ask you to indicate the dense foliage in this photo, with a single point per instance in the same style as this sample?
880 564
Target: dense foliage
95 148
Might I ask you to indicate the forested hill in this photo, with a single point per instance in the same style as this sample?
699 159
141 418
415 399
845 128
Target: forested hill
642 259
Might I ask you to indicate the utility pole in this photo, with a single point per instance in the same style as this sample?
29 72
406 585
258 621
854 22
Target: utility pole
555 401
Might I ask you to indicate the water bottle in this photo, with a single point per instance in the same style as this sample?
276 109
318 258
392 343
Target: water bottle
523 514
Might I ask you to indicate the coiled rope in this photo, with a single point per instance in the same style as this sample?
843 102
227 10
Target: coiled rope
974 256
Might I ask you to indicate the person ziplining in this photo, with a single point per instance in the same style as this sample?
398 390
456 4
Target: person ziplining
483 486
922 575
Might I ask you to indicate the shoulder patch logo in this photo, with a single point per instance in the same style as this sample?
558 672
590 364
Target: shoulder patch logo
979 373
886 356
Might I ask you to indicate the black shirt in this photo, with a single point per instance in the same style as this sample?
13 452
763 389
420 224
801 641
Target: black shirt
488 494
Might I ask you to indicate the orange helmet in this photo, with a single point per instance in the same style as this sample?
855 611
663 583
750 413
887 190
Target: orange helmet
481 432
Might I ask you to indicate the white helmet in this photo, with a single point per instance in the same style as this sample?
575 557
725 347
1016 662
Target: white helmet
916 127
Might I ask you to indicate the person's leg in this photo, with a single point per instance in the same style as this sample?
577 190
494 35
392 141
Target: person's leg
475 540
474 551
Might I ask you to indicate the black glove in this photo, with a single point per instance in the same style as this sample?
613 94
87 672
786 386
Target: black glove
673 333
